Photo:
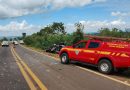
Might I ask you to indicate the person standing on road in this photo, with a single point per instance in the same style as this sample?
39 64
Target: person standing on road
13 44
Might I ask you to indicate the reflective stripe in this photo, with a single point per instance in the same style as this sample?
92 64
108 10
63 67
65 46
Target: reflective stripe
89 51
98 52
117 54
113 54
104 52
124 55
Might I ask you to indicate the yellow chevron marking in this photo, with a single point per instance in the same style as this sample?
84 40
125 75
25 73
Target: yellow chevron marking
117 54
124 55
113 53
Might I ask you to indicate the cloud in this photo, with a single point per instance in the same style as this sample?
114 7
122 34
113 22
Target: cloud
15 28
115 5
120 14
72 3
15 8
118 23
94 26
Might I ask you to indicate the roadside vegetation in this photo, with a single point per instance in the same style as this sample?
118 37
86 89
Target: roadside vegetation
114 32
55 33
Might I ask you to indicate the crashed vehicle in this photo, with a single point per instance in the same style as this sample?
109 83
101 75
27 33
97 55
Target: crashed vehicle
55 48
107 56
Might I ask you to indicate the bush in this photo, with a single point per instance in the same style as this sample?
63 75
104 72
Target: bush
54 34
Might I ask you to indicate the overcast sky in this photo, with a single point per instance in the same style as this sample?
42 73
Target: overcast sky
18 16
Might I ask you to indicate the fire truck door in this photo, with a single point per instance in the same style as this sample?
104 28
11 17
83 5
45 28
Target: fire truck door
89 53
77 53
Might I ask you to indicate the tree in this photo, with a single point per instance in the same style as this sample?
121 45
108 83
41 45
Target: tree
52 33
104 32
10 39
58 28
4 39
114 32
55 28
45 31
78 35
20 38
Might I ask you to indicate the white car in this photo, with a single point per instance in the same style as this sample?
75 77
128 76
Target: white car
21 41
15 42
5 44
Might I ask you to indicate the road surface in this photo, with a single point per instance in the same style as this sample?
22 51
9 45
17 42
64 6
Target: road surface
10 75
23 69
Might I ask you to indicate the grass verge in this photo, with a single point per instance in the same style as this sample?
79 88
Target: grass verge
42 51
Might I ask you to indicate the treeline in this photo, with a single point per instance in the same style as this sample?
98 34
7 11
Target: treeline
53 34
114 32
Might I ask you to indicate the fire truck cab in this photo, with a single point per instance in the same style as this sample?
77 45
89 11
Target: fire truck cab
106 55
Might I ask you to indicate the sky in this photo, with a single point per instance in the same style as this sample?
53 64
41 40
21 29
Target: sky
29 16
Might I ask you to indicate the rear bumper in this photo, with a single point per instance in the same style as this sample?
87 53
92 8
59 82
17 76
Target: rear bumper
5 45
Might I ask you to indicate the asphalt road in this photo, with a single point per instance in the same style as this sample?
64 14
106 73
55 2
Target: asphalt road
52 74
10 75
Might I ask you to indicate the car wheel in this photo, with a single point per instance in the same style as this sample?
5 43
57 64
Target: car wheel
105 66
64 58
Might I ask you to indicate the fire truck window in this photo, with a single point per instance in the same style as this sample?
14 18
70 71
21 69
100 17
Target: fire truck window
80 45
93 45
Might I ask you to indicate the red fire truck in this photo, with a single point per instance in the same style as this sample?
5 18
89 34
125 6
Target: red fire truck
107 54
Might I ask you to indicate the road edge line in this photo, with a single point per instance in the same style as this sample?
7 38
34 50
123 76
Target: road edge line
85 69
110 78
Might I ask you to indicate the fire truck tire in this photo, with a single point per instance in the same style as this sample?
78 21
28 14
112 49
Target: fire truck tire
105 66
64 58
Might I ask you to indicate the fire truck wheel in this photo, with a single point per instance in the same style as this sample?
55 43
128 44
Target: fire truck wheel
105 66
64 58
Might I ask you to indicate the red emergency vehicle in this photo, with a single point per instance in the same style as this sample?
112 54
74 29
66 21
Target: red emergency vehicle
108 54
